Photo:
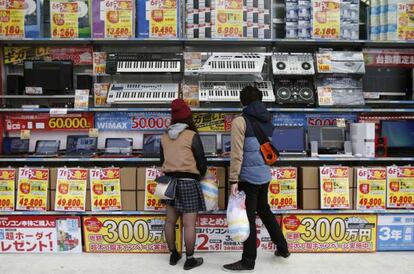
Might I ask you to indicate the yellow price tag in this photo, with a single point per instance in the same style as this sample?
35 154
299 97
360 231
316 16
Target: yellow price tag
12 21
71 189
105 189
283 188
64 19
371 188
334 185
25 134
400 187
118 19
7 181
152 202
163 18
32 189
326 19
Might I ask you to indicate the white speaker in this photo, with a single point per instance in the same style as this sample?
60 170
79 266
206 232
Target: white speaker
363 139
314 148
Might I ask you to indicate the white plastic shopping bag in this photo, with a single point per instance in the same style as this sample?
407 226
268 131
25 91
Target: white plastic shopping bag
209 185
237 220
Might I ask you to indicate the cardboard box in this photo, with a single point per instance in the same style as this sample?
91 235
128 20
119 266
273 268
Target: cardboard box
309 199
129 200
52 198
141 173
128 178
140 200
308 178
52 178
222 199
88 200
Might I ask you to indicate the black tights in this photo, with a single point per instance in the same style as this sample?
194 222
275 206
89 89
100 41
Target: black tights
189 221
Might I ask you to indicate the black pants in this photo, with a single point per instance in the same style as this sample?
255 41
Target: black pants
256 201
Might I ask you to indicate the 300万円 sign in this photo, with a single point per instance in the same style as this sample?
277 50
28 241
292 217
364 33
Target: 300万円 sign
330 233
126 234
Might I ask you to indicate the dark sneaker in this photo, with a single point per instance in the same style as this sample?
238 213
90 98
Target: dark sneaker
192 263
237 267
285 254
174 257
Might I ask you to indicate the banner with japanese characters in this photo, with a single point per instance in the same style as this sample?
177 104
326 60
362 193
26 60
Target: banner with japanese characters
40 234
400 187
47 122
218 122
105 188
283 188
330 233
213 235
7 183
127 234
79 55
371 188
334 186
395 232
389 57
32 189
152 202
71 189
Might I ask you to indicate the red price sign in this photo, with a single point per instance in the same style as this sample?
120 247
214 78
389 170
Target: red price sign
30 202
117 32
43 121
105 202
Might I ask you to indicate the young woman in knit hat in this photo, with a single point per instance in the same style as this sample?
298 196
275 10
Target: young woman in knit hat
182 157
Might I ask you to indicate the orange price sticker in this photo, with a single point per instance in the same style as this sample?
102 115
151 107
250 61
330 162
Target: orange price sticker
12 20
282 192
163 19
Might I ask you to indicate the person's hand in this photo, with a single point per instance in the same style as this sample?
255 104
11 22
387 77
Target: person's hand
234 189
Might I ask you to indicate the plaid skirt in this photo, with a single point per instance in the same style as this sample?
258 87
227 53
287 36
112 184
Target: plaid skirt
188 197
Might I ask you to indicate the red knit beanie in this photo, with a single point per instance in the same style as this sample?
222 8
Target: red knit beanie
179 111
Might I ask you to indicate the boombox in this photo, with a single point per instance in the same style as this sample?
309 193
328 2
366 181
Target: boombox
294 91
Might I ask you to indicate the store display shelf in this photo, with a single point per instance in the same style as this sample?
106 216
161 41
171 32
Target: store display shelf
209 159
208 42
392 102
204 109
37 96
277 212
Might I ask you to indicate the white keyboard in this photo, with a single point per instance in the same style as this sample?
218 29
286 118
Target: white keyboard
142 93
234 63
148 66
226 91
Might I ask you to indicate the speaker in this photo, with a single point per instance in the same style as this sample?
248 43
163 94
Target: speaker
381 147
15 84
84 81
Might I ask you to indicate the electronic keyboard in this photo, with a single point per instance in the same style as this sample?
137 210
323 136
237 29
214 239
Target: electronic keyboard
234 63
130 62
142 93
226 91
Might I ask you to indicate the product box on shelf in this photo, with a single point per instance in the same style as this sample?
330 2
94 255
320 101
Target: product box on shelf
33 19
7 189
113 18
400 187
405 19
158 19
308 190
335 187
371 186
70 19
224 19
283 188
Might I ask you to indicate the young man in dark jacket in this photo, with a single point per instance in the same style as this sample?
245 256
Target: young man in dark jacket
248 172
